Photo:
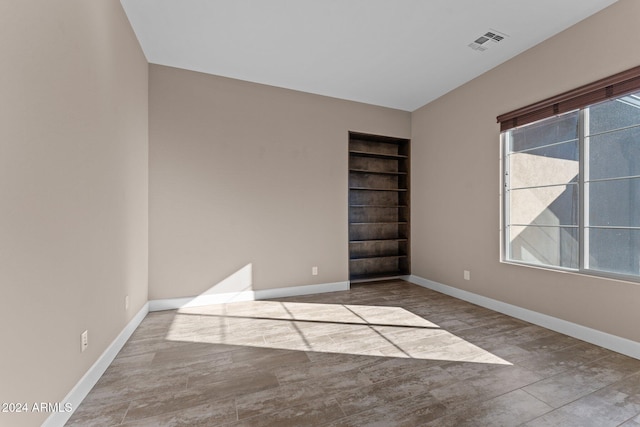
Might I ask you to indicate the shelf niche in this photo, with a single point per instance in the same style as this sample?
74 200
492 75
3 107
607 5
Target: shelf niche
378 207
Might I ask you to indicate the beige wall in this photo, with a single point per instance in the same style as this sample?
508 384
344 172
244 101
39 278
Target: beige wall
456 176
242 175
73 191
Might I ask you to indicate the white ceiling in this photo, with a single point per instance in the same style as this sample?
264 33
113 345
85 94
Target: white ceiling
394 53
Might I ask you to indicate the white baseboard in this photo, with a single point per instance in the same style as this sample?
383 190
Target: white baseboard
91 377
593 336
86 383
200 300
295 291
174 303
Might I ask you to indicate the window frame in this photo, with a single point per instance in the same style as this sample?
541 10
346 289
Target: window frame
583 199
614 86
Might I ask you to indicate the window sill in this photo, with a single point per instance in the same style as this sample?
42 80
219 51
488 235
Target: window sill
635 280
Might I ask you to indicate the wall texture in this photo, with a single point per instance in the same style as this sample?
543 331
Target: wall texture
456 176
73 191
248 183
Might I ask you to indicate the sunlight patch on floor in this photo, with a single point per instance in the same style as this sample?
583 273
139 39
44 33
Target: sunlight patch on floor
383 331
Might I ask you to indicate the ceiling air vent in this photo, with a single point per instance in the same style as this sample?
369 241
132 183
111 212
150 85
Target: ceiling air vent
487 40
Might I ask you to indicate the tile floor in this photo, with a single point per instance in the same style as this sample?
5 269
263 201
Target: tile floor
385 354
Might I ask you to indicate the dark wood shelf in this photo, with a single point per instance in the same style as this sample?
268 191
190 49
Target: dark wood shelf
365 171
380 222
361 258
401 239
376 189
379 206
382 275
378 155
379 245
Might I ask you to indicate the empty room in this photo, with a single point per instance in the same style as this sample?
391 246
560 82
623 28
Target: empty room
319 213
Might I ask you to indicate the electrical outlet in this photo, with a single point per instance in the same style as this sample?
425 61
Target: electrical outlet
126 302
84 340
467 275
314 271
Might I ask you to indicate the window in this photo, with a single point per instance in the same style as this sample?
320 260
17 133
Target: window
542 189
572 185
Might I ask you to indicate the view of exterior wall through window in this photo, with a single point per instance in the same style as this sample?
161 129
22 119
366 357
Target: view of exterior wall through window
572 190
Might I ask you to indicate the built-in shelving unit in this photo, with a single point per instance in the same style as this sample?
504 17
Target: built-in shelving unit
378 207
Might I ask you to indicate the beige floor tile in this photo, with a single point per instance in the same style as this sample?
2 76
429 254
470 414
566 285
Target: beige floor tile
312 413
208 414
609 406
507 410
385 354
570 385
634 422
